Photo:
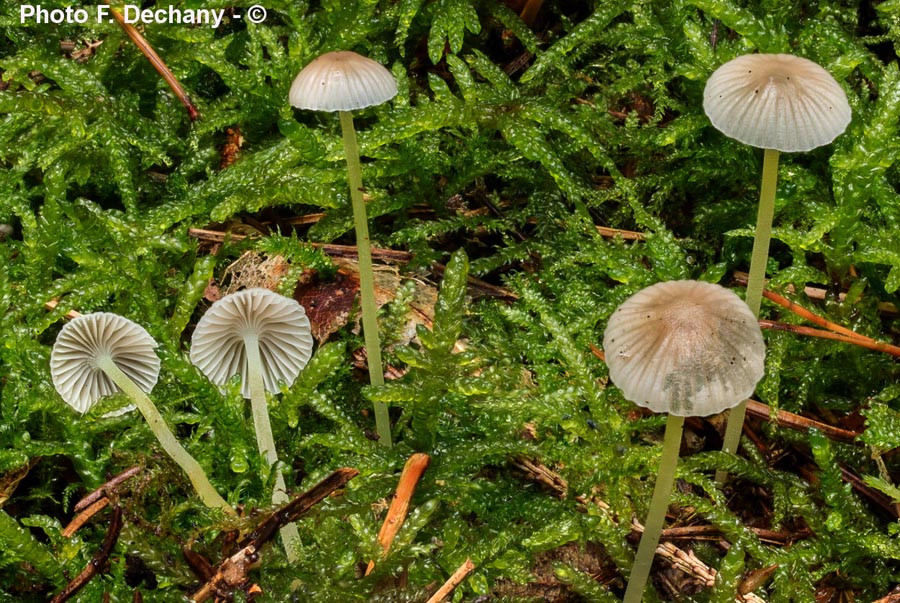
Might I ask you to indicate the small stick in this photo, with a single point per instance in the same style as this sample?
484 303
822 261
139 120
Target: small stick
452 582
406 486
628 235
798 423
820 294
388 255
158 64
232 573
813 318
50 305
112 484
97 562
300 504
811 332
83 517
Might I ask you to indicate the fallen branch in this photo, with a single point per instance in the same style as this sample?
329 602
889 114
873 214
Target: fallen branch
232 574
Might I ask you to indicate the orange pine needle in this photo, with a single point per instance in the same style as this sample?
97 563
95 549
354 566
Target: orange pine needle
412 472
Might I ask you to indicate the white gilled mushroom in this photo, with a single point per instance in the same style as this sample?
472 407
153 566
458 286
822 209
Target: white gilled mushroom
265 338
344 81
776 101
687 348
781 103
98 354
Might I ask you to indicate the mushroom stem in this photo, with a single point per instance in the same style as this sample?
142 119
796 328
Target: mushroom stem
755 282
265 440
166 438
659 504
366 277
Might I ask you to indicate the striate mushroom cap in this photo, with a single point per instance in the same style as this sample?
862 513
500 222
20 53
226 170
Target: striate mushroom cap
687 348
280 325
342 81
87 338
776 101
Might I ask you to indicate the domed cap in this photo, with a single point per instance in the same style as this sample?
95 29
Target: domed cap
280 325
776 101
687 348
342 81
84 340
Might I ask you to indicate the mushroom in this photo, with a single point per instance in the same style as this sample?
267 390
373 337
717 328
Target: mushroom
687 348
344 81
265 338
781 103
96 355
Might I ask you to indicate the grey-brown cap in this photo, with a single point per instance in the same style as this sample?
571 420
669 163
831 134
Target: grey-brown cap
776 101
342 81
81 342
280 325
688 348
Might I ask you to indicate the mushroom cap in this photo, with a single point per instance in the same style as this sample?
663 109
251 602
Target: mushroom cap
687 348
776 101
280 325
342 81
86 339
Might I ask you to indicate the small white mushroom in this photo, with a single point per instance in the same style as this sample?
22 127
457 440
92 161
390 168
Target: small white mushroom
776 101
234 328
94 339
265 338
96 355
687 348
342 81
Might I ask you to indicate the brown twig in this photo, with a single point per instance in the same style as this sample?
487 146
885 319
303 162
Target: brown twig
798 423
387 255
83 517
157 63
406 486
97 562
103 490
820 294
628 235
869 344
811 317
232 573
452 582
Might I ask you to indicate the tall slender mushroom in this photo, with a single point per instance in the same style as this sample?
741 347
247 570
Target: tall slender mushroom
345 81
265 338
780 103
686 348
96 355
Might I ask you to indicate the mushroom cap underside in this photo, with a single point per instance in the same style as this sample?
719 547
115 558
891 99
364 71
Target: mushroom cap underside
88 338
278 323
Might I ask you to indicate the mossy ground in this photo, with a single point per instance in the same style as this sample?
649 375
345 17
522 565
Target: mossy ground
539 173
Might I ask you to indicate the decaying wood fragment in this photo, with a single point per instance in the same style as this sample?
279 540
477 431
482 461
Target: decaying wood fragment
233 573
